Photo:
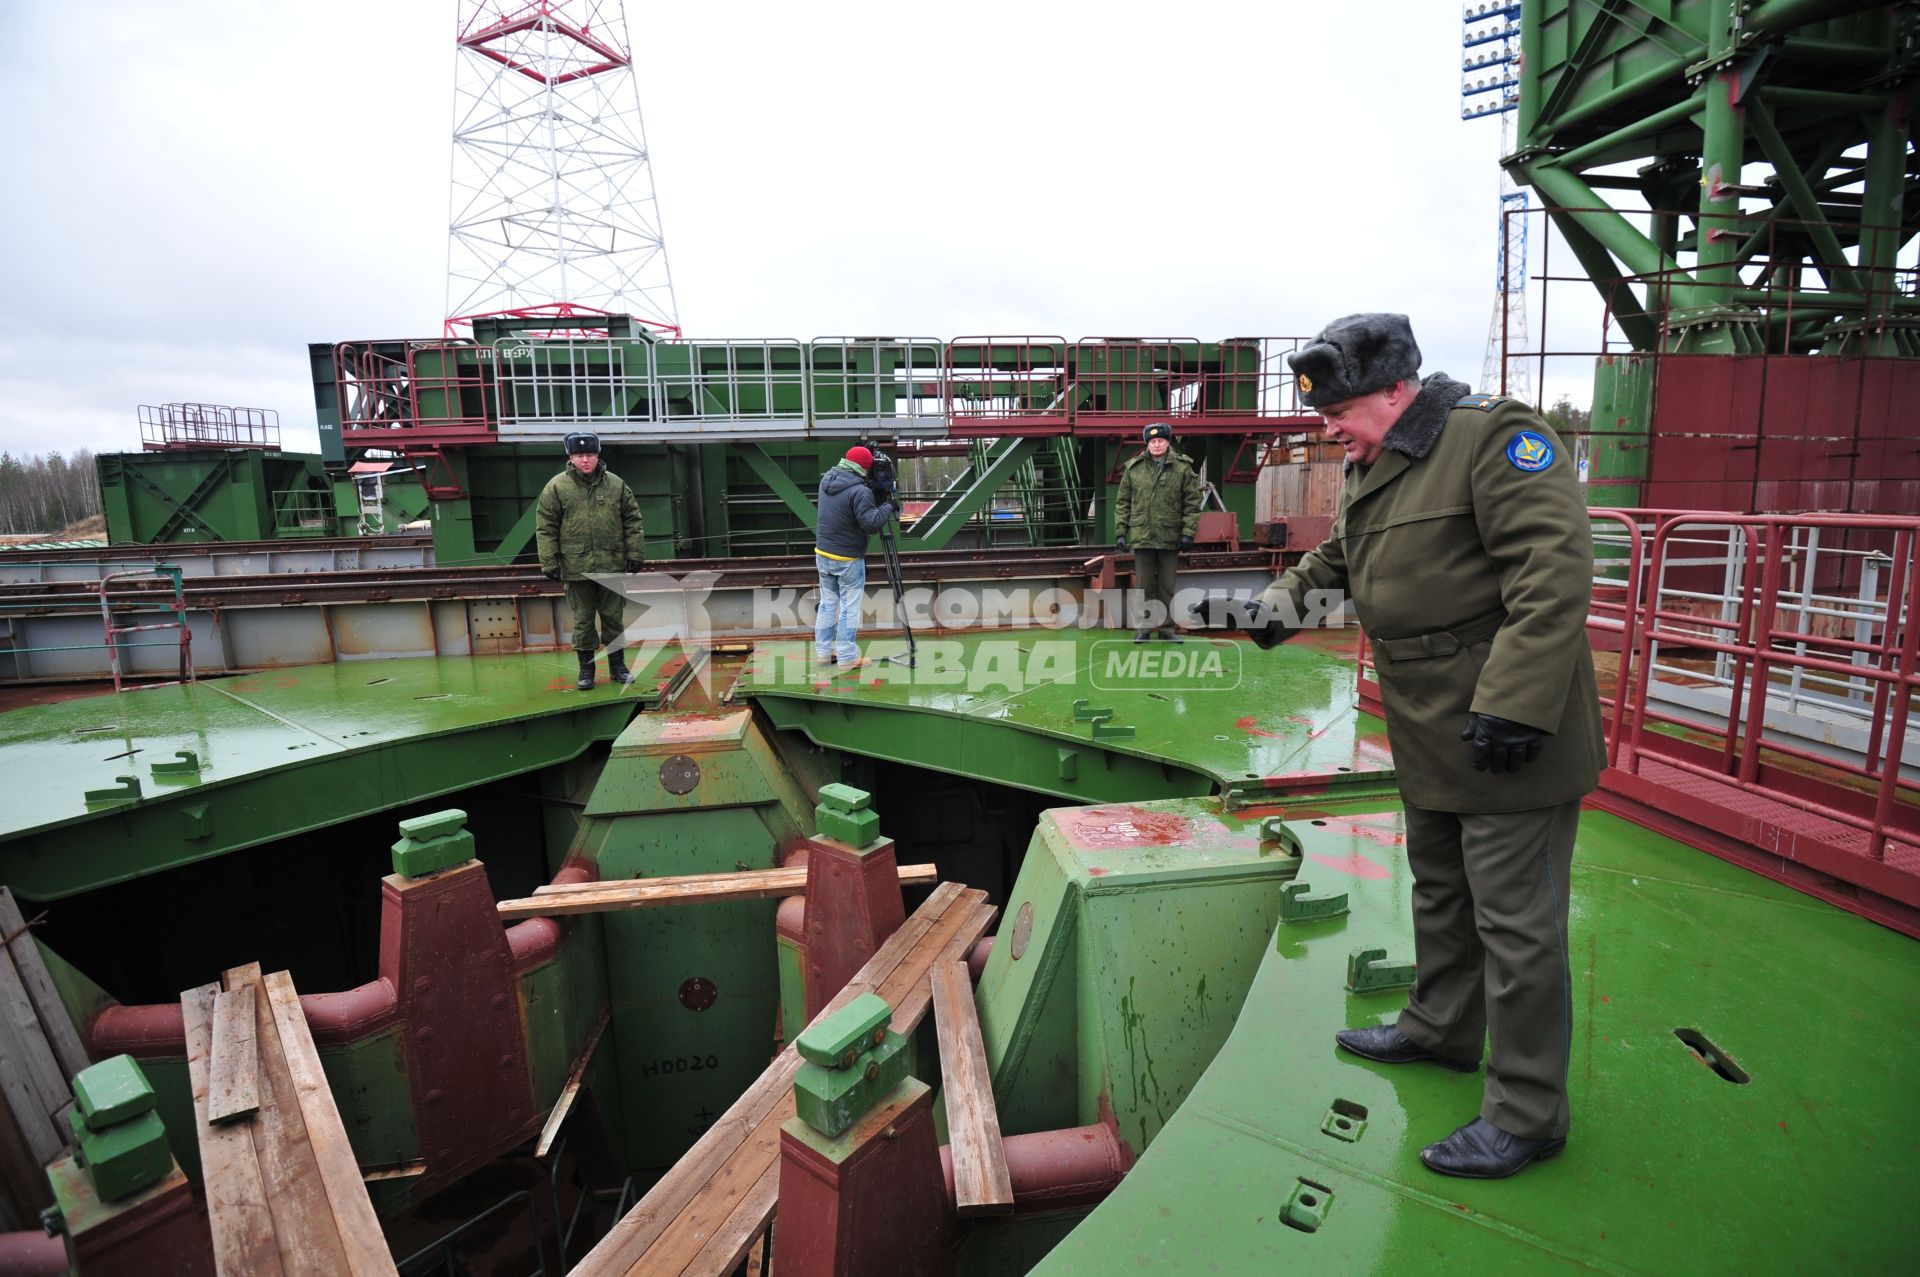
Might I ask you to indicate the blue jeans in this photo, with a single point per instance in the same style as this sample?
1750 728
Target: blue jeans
842 587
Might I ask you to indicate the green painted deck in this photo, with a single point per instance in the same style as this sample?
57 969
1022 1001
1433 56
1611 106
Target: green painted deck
1669 1167
277 754
1186 719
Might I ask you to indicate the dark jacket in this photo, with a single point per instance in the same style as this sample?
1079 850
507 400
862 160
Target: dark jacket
848 514
588 526
1157 504
1462 528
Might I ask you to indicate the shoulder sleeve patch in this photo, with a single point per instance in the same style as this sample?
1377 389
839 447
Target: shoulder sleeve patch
1529 451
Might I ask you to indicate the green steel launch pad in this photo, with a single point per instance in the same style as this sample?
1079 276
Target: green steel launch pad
1741 1067
228 763
1089 716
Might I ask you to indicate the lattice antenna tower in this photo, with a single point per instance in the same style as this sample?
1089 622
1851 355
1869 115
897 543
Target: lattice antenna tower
553 207
1490 85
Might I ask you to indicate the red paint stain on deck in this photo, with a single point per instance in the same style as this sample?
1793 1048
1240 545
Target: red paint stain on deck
1097 872
1127 827
1354 864
1247 725
1359 827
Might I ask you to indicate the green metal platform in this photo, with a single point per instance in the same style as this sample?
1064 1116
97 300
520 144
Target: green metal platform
1671 1166
227 763
1094 717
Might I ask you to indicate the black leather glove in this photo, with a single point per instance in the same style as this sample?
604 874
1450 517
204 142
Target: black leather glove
1249 616
1271 635
1121 541
633 565
552 574
1185 542
1499 744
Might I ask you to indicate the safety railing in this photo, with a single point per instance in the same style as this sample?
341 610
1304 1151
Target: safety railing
885 385
176 605
1758 678
759 385
426 393
1007 385
573 384
307 512
1766 690
396 392
179 427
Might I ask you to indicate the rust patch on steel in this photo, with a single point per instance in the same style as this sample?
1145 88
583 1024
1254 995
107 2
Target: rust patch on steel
1102 827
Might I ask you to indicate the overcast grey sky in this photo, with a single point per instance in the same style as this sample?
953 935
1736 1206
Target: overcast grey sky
196 191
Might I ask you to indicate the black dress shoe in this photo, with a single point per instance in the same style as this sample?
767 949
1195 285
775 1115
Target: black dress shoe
1388 1045
1481 1150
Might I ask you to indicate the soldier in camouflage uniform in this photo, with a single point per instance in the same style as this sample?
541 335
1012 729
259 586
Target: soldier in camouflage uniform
1463 542
589 528
1155 514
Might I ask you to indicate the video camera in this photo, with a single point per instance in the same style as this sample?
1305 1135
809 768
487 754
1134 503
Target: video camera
881 477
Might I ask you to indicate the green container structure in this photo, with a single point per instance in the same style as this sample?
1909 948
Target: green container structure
151 498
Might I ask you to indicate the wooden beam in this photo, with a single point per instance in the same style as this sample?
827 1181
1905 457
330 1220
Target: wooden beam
712 1235
233 1062
244 1243
980 1182
772 1092
564 1105
23 1102
289 1177
23 1181
645 893
24 1045
62 1036
360 1233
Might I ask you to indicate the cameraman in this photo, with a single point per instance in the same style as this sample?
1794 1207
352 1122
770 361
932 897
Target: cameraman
850 513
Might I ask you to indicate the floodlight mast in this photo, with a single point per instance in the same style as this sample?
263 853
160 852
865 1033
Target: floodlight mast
552 202
1490 85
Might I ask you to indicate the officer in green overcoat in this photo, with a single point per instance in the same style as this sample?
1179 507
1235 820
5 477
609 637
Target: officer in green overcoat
1462 543
1155 514
589 529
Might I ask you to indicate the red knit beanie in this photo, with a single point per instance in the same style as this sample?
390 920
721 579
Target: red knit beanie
860 456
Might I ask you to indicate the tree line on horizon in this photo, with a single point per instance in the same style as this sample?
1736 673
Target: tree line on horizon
47 494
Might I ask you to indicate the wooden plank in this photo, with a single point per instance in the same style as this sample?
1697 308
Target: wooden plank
403 1170
629 1238
644 893
360 1232
62 1036
21 1171
564 1105
244 1243
22 1040
729 1209
233 1061
981 1185
302 1215
35 1126
712 1236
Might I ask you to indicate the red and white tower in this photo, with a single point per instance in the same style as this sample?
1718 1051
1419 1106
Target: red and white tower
553 204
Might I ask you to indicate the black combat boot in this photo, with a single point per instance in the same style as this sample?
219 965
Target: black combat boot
586 671
617 667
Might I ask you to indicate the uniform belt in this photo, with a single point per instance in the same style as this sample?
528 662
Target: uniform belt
1441 642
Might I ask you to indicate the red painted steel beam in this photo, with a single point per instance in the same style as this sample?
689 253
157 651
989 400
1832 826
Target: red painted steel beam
1654 809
